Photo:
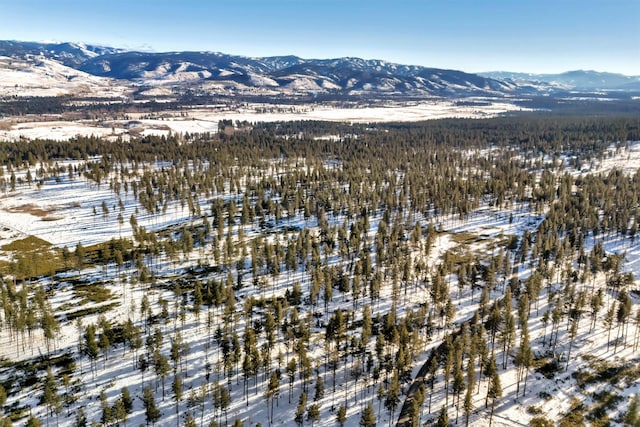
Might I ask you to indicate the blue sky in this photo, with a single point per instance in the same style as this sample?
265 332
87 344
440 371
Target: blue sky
469 35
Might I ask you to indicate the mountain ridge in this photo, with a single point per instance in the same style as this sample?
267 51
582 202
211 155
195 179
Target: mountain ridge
573 79
217 73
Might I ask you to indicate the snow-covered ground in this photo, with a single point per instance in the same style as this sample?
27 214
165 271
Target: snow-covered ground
62 213
203 120
45 77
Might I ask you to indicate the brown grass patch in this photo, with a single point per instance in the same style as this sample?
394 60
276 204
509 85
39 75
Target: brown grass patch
464 238
28 244
32 210
31 257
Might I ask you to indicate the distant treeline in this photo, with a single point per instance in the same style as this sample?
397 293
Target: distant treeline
393 142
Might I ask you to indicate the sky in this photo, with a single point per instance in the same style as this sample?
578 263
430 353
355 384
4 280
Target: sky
537 36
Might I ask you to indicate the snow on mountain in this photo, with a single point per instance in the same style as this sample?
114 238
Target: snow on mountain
336 75
570 80
259 80
215 73
303 83
69 54
40 76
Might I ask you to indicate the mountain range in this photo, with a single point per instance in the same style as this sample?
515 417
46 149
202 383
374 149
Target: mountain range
213 73
572 80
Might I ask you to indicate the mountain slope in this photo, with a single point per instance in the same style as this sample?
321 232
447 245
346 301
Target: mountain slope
575 80
279 77
40 76
69 54
290 73
219 73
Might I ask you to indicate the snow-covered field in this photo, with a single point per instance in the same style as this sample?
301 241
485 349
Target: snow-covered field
206 119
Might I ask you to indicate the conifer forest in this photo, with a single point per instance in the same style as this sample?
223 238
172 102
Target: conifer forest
450 272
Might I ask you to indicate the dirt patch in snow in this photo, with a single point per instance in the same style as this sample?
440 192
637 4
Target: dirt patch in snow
33 210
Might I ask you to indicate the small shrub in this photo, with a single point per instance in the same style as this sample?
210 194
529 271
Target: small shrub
604 403
534 410
540 422
548 368
91 292
545 395
575 416
91 310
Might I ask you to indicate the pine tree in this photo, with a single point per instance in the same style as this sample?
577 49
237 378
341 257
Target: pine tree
341 416
291 371
91 345
468 397
50 394
524 359
151 411
443 418
176 386
433 369
490 372
313 413
125 396
319 392
119 411
494 393
458 380
162 368
107 411
33 422
393 394
416 405
81 419
80 253
3 397
272 391
300 409
368 417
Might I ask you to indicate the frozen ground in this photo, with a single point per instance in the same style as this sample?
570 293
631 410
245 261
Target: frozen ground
63 214
206 120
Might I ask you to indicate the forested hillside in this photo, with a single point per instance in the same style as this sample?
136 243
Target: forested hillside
478 272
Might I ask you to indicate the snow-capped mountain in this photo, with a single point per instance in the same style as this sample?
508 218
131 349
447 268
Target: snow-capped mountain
69 54
581 80
349 76
213 73
44 77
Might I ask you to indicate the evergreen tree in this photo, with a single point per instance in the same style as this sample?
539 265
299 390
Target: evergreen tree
273 388
319 392
81 419
443 418
119 411
176 386
50 394
33 422
300 409
494 393
523 359
341 415
313 413
393 394
125 396
151 411
368 417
